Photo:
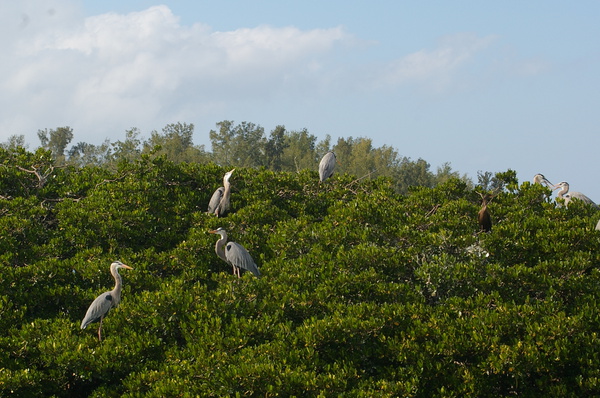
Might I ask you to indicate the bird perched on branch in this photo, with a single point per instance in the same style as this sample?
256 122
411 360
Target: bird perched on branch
483 217
568 196
327 165
234 254
107 300
219 202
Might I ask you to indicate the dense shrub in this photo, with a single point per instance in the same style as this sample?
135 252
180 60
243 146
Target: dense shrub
365 292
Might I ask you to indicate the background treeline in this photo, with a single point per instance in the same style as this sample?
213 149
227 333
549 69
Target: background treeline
365 292
245 145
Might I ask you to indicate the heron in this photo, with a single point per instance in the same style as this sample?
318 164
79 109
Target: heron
327 165
540 179
234 254
107 300
483 217
568 196
219 202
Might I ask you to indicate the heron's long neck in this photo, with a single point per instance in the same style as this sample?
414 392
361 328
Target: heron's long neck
563 191
219 248
118 283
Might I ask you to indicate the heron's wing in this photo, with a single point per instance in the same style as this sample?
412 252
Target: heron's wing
326 166
99 307
582 197
238 256
215 199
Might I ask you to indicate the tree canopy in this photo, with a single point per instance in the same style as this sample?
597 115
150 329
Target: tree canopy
366 291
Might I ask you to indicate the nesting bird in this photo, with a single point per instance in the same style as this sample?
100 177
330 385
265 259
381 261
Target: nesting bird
107 300
219 201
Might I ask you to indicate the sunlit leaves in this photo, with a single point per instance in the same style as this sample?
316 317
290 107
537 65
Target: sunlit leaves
364 292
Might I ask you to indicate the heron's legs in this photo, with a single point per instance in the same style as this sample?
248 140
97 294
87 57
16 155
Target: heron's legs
100 330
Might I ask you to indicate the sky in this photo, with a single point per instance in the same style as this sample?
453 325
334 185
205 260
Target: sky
484 86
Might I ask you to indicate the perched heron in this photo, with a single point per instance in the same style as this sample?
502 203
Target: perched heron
483 217
107 300
234 254
219 202
568 196
540 179
327 165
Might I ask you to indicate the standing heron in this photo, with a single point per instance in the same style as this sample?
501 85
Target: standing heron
219 202
234 254
327 165
540 179
567 196
483 217
107 300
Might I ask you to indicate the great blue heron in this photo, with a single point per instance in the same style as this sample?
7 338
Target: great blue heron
327 165
234 254
219 202
540 179
107 300
567 196
483 217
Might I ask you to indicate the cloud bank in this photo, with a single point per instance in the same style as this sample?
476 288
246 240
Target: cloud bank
106 73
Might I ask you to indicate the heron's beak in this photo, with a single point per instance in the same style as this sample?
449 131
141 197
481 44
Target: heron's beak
232 170
212 231
126 266
555 187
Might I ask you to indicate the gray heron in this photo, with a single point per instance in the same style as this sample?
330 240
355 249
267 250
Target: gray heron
568 196
327 165
540 179
234 254
107 300
219 202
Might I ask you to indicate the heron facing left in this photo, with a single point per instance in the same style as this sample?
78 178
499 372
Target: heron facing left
107 300
567 195
234 254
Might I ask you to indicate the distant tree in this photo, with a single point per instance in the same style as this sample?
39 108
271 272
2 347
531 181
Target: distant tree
274 148
323 147
83 154
299 152
222 143
413 173
14 141
357 157
175 141
243 145
445 173
56 141
130 148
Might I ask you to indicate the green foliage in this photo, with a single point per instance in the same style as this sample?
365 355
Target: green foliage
365 292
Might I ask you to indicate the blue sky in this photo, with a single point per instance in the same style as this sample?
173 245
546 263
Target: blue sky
481 85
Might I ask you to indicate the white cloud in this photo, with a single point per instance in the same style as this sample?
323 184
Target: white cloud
108 72
434 68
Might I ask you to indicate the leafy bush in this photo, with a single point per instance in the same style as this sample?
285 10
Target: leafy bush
365 292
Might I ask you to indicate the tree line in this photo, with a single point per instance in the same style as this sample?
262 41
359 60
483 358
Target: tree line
245 145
